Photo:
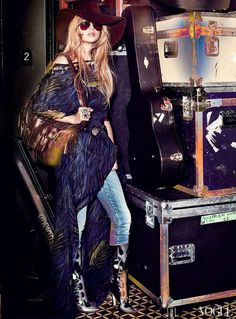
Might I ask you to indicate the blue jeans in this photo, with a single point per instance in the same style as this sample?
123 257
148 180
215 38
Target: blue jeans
112 199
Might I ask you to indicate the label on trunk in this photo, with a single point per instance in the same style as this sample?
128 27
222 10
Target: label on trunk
218 218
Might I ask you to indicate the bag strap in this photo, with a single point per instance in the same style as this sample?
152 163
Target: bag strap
77 83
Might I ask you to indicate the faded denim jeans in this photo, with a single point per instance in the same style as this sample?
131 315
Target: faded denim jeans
112 199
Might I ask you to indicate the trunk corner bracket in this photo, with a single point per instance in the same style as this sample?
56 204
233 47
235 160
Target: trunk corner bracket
150 216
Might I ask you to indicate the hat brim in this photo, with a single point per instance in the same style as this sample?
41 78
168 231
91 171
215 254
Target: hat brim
116 25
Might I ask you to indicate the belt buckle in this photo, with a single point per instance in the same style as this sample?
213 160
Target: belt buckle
95 131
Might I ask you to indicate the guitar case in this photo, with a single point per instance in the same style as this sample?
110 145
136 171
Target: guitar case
155 153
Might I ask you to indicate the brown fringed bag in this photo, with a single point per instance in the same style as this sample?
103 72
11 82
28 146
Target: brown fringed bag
48 139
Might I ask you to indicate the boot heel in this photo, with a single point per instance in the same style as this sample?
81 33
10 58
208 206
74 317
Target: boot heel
114 300
118 288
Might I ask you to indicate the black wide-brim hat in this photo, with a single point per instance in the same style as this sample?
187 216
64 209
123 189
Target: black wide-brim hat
90 11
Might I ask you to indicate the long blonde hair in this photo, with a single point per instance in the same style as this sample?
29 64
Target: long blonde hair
100 54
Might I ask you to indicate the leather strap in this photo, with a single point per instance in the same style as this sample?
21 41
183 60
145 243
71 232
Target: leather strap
77 82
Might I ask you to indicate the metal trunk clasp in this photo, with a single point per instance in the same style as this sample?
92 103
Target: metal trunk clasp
149 217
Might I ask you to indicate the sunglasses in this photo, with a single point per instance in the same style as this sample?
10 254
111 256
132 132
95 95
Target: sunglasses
86 24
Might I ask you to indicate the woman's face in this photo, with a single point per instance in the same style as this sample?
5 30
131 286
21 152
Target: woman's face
90 32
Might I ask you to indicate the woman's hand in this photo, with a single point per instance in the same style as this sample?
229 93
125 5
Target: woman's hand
83 114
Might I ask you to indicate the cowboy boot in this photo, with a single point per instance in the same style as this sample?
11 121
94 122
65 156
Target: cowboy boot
119 289
82 302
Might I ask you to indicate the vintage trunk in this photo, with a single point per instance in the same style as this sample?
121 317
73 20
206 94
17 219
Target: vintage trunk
186 71
199 48
182 247
208 137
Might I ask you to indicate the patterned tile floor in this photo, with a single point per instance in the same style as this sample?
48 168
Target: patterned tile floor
145 307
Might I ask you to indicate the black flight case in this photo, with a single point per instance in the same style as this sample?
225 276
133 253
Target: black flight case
182 248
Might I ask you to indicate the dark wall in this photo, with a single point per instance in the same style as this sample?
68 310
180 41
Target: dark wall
26 24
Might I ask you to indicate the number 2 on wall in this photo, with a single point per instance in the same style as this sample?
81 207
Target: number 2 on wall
26 57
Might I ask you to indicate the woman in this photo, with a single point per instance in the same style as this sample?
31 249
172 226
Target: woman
85 267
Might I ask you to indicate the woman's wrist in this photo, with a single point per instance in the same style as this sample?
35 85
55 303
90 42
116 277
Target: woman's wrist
74 119
71 119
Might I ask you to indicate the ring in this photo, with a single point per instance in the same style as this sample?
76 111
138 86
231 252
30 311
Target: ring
85 115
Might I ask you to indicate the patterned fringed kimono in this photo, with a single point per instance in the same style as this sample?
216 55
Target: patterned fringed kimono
79 177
